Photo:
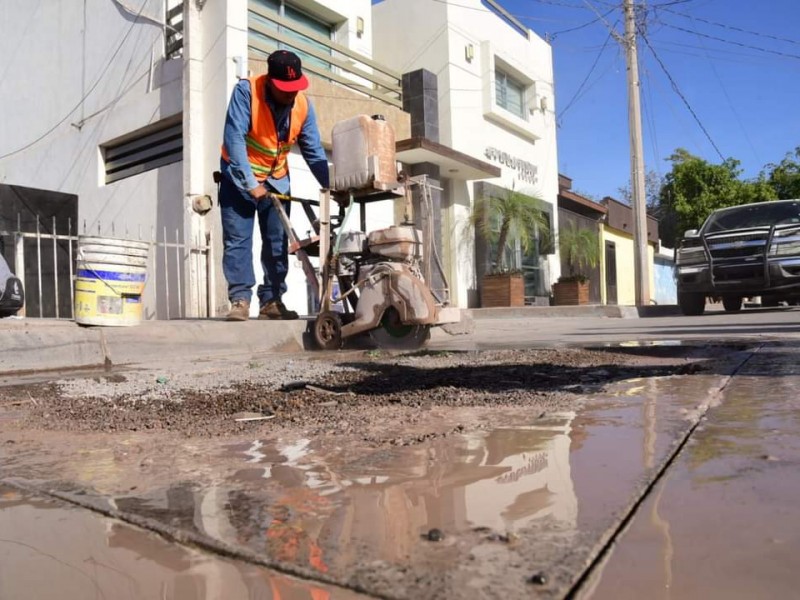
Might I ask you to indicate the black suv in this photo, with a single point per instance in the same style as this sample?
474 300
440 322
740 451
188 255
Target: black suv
739 252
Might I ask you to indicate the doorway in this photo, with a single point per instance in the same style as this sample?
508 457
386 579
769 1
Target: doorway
611 272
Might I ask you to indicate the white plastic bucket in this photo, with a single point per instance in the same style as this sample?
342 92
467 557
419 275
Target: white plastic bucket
110 279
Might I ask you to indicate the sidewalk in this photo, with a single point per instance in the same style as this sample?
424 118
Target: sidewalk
49 344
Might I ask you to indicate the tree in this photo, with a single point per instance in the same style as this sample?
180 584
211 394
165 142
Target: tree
652 190
785 176
694 188
507 217
580 249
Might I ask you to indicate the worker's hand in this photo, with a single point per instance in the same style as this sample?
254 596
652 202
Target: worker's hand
258 193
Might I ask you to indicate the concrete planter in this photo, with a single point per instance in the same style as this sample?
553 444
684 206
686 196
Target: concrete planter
503 289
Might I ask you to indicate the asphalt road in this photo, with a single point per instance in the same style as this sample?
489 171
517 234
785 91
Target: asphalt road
658 476
714 326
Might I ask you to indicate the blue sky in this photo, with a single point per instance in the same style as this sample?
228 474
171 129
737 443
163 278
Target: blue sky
734 63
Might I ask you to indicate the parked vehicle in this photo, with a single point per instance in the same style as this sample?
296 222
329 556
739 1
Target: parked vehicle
739 252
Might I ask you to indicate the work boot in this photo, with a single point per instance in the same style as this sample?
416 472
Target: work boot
276 310
240 310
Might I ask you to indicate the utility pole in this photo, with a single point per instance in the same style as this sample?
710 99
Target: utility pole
641 268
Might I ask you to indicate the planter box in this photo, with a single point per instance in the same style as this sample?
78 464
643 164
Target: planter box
567 293
502 290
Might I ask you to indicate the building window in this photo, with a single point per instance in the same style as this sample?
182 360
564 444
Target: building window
509 93
143 150
173 35
260 11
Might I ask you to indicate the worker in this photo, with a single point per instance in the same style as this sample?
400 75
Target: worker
266 116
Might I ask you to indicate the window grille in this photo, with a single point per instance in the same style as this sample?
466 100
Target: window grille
509 93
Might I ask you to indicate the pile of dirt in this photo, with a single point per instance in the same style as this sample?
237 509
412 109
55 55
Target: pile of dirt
340 395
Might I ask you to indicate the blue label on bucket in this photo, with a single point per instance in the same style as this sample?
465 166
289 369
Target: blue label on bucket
111 275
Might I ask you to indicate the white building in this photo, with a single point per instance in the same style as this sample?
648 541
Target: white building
122 103
495 102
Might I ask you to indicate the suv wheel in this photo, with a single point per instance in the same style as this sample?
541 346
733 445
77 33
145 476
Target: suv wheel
691 304
732 303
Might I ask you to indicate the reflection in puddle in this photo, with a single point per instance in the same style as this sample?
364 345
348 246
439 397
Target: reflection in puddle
501 480
724 522
49 550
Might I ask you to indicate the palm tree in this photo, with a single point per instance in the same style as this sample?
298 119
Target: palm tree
580 248
520 217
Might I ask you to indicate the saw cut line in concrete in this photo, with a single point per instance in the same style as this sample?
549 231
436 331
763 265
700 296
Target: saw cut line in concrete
605 545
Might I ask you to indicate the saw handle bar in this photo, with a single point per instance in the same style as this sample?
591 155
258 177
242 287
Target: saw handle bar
336 220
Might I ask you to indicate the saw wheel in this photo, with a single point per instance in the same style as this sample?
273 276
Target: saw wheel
328 330
395 335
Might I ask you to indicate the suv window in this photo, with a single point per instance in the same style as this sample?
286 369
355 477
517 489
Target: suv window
755 215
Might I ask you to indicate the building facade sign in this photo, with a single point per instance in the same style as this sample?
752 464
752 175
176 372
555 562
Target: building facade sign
526 171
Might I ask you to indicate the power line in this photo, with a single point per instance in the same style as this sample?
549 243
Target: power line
730 104
649 109
592 22
719 54
731 27
723 40
585 79
682 97
602 17
86 95
663 4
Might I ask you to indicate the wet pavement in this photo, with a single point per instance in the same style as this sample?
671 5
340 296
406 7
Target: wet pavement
725 521
51 550
669 472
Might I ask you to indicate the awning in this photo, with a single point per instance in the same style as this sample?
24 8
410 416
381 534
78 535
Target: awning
452 163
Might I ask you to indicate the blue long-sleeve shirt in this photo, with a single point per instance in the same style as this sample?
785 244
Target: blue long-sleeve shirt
237 125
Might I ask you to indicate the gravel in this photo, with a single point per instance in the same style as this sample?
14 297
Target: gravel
328 393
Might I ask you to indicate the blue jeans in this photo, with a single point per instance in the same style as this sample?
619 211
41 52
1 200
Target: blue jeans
238 211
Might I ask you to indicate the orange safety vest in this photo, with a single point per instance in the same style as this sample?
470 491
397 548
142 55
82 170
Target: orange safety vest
267 156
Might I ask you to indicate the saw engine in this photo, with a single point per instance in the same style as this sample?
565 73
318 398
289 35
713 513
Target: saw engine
380 273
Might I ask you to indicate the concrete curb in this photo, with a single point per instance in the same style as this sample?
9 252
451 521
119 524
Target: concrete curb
31 345
570 312
41 344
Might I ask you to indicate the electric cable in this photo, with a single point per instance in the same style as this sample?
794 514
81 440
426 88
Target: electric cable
682 97
571 29
648 108
585 79
724 26
730 104
671 3
724 41
611 28
85 96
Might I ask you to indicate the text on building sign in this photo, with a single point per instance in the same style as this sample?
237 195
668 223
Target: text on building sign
526 171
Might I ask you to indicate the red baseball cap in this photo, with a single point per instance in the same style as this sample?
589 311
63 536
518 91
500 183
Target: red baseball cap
285 72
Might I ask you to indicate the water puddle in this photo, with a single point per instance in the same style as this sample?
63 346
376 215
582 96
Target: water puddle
724 523
321 507
53 551
467 504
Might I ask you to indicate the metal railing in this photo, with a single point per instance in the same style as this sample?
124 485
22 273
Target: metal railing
343 65
45 262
